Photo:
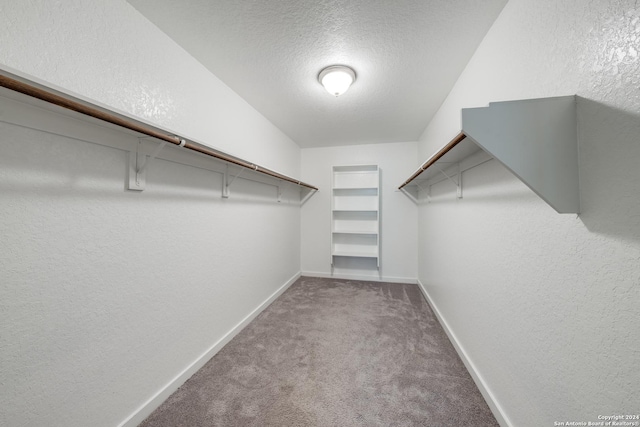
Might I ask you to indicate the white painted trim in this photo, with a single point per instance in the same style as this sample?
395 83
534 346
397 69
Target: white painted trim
150 405
410 280
489 397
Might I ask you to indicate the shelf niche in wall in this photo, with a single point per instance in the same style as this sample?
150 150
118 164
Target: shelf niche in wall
355 212
535 139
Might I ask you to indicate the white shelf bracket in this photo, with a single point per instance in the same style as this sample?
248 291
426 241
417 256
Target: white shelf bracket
459 189
226 183
279 194
409 195
427 192
137 181
457 182
310 193
138 164
147 160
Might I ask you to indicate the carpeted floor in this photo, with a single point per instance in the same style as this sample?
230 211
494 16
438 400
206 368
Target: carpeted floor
333 352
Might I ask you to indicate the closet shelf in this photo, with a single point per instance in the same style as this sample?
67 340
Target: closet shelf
355 207
364 232
355 210
536 139
355 188
355 254
64 100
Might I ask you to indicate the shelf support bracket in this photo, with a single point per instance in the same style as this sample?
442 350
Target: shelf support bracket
137 179
457 182
310 193
146 160
459 190
279 194
409 195
226 183
138 164
427 192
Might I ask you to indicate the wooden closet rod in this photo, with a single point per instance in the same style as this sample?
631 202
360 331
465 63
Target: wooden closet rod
444 150
81 107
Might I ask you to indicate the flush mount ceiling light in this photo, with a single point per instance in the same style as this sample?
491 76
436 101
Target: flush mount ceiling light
336 79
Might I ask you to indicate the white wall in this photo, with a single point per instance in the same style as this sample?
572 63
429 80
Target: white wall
546 305
106 51
398 214
106 295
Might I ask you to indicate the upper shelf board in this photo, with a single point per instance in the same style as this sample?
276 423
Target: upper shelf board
535 139
57 98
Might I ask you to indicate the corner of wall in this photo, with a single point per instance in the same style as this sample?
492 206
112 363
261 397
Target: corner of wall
140 414
489 397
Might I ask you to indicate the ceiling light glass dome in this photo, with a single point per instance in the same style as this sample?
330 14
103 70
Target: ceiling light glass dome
337 79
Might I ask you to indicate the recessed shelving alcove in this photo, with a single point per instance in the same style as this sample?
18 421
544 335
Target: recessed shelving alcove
355 212
535 139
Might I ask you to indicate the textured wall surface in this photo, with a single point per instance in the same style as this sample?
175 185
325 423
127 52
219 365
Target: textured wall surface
107 295
546 305
106 51
398 236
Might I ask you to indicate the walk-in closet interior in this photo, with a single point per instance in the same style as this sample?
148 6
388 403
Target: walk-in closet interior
319 213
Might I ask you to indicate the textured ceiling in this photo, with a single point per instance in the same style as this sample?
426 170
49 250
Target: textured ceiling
407 55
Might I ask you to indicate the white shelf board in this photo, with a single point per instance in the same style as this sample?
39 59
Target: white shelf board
355 254
356 168
355 188
365 232
355 210
536 139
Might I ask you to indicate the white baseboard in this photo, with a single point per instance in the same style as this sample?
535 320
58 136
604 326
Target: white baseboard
150 405
410 280
489 397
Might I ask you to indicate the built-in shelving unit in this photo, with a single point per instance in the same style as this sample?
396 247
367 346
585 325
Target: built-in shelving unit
355 212
535 139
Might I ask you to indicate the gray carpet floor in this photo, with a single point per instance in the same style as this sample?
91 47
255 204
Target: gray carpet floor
333 352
